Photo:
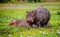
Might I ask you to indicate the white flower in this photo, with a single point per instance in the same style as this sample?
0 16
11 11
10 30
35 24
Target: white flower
10 35
45 33
58 31
21 36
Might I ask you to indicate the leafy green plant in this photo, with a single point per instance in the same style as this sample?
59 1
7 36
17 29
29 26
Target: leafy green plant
58 13
4 1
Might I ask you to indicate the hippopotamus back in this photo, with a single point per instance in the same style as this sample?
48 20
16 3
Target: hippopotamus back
42 15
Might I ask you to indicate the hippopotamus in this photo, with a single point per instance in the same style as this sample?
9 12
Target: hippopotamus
21 23
15 22
25 24
39 16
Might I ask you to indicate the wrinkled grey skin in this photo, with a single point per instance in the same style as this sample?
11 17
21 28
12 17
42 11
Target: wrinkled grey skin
41 16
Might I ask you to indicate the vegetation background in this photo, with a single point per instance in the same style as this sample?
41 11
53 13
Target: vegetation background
16 9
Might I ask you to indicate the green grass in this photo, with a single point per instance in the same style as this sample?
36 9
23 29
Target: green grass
18 11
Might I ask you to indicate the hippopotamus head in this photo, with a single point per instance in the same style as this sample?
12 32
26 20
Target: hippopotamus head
30 16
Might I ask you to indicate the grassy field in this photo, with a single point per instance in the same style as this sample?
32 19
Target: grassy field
10 11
